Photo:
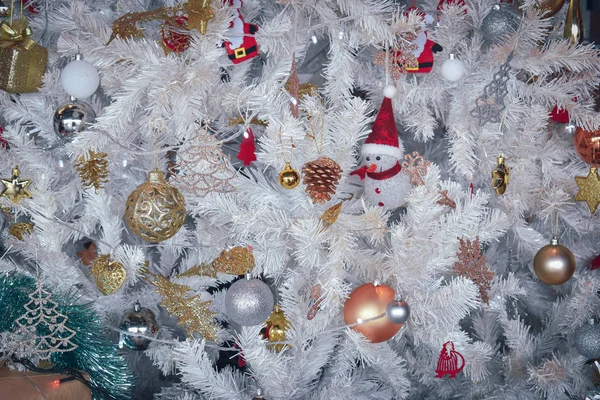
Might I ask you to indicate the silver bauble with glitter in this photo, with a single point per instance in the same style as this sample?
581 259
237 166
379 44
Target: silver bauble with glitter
501 22
72 118
398 311
141 322
587 340
249 302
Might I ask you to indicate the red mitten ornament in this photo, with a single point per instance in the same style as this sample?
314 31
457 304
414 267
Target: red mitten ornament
450 362
559 115
240 45
247 148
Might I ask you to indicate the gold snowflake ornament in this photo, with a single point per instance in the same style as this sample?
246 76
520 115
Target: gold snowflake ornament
472 265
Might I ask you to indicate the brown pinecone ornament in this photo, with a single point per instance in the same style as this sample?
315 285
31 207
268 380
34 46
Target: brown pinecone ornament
321 178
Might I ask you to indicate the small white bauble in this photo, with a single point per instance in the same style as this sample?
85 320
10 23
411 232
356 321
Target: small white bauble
453 69
389 91
80 79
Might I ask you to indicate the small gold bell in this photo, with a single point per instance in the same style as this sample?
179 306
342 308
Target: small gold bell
500 176
289 178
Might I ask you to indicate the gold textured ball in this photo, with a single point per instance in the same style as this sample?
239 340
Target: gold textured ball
289 178
553 6
155 210
108 274
369 301
554 264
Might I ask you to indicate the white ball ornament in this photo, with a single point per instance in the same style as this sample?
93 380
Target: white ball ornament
453 69
80 79
390 91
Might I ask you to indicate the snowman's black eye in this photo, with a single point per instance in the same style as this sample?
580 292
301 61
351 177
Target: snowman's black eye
368 158
378 158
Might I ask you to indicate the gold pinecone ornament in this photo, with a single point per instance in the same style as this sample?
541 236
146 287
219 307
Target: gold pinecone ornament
108 274
155 210
321 177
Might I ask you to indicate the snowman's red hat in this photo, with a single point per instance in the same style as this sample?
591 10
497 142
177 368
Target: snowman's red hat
383 138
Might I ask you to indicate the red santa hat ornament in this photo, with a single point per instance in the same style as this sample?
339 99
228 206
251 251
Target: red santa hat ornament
383 138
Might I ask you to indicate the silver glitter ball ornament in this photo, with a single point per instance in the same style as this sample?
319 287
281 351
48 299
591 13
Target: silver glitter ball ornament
72 118
249 302
587 340
500 23
398 311
141 322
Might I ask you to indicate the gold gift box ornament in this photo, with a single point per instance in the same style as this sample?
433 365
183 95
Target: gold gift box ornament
22 61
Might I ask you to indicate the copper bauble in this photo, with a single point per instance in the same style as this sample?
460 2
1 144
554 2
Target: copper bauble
552 6
155 210
289 178
554 264
587 145
368 301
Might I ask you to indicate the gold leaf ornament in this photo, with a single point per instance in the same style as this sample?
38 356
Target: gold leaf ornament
108 274
235 261
331 215
21 229
93 169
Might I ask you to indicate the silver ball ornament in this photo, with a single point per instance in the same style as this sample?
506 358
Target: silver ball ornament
398 311
587 340
249 302
500 22
141 322
72 118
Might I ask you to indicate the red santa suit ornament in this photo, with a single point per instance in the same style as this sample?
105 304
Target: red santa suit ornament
241 44
424 49
450 362
384 185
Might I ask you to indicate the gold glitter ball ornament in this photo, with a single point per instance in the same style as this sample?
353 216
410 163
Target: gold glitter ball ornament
289 178
155 210
589 189
108 274
236 261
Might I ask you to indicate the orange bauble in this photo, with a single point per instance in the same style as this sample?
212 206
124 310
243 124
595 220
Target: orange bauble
368 301
587 145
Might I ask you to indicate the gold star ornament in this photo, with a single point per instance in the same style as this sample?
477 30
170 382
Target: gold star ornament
15 188
199 13
589 189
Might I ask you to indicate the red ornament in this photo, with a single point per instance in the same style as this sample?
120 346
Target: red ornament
595 264
247 148
559 115
3 142
173 37
450 362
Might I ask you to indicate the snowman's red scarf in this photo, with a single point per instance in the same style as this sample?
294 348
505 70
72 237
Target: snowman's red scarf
378 176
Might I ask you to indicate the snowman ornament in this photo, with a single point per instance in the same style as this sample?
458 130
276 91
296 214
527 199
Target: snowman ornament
384 183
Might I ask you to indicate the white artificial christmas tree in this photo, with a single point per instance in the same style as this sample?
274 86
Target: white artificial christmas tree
516 340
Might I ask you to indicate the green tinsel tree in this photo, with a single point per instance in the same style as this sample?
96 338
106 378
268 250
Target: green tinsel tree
95 355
